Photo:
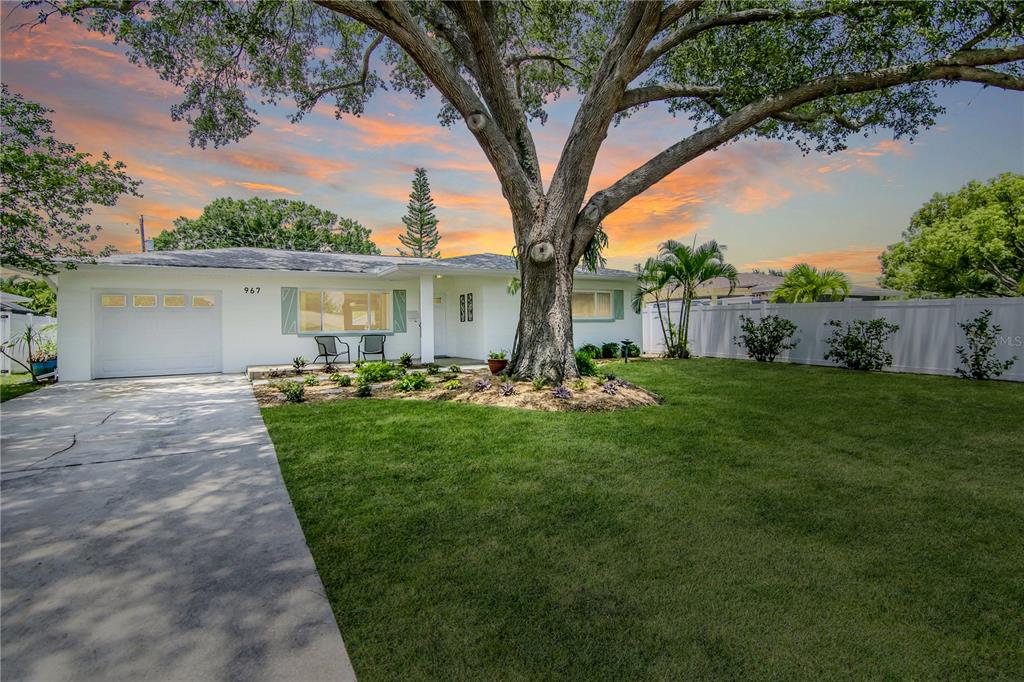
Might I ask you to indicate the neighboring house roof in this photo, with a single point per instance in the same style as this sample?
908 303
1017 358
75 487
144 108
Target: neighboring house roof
11 303
855 290
745 280
315 261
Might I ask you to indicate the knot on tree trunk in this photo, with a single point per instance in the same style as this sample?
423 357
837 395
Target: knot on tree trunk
542 252
476 121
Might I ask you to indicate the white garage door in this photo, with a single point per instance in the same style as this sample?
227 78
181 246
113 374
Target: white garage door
148 333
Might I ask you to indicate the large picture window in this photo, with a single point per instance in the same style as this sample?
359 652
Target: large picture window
592 305
344 311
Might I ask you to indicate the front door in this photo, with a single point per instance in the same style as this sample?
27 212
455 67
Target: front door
440 327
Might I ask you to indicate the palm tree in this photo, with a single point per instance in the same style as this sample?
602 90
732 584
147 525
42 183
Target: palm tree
688 268
806 284
652 279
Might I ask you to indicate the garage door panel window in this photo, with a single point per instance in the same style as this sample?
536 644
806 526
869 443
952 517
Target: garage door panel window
144 300
344 311
202 301
113 300
174 300
592 305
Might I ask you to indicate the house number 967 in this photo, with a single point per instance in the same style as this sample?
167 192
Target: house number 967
252 290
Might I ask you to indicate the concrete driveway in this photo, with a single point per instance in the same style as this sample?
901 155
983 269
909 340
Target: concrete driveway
147 534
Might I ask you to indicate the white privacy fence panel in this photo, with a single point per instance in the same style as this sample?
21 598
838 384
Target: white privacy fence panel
925 343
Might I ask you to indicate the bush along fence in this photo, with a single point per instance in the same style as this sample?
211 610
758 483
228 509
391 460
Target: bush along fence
932 337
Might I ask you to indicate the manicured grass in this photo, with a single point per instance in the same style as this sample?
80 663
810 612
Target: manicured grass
14 385
767 521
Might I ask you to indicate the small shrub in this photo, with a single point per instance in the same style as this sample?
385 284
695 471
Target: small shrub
452 385
412 382
481 385
299 364
311 380
341 379
860 344
376 372
610 376
977 357
634 350
764 340
497 355
610 388
433 369
590 349
405 360
610 350
294 392
562 393
507 388
585 364
580 385
364 390
538 383
454 369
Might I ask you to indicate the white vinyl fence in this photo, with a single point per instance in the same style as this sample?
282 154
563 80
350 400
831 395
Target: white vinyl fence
925 343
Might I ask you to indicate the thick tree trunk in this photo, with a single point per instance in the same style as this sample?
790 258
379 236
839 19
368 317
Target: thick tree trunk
544 344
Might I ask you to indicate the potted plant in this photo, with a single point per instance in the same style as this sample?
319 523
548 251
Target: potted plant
44 358
497 361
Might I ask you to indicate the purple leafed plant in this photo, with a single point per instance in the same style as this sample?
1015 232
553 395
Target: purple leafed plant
562 393
481 385
610 388
508 388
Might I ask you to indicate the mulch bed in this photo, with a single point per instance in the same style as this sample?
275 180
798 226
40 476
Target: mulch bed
592 395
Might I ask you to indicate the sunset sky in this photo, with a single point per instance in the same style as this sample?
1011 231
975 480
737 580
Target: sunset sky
770 205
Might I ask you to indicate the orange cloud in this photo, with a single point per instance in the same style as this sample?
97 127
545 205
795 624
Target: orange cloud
859 262
265 187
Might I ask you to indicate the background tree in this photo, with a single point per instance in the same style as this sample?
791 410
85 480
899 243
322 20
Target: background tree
44 298
806 284
812 71
969 242
260 223
48 188
688 268
421 236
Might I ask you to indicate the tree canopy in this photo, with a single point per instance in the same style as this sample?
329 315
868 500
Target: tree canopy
262 223
969 242
814 72
44 298
48 189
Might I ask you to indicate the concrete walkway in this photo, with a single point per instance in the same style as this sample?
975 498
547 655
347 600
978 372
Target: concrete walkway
147 534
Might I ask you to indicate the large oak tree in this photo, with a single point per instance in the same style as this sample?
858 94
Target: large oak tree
813 72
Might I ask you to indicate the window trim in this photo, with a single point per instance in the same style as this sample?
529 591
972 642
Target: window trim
192 302
596 318
155 297
123 304
387 293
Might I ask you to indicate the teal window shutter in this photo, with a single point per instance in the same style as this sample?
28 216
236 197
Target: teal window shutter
398 306
619 304
289 310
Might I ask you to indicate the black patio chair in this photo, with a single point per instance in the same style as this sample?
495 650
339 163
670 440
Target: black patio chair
328 349
372 344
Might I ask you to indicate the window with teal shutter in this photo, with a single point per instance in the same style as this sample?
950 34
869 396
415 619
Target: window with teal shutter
289 310
618 304
398 306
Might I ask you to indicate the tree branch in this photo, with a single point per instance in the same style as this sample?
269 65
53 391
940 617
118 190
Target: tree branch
394 20
695 28
653 93
561 61
676 11
958 67
361 81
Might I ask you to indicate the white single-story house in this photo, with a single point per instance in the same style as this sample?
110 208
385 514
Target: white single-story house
222 310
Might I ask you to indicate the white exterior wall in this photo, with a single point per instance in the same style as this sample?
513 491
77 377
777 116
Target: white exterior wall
251 332
251 324
925 343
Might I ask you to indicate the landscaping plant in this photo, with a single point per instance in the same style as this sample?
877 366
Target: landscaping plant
376 372
610 388
978 355
579 385
610 350
481 385
507 388
589 349
364 390
311 380
341 379
562 393
538 383
585 364
413 381
454 369
433 368
452 385
299 363
405 360
294 392
860 344
764 340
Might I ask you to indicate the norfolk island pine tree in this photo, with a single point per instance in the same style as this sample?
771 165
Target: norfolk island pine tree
421 235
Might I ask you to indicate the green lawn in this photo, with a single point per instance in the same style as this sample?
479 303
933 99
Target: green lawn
768 521
14 385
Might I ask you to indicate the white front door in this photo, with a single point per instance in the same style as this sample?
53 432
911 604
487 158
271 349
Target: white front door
150 333
440 327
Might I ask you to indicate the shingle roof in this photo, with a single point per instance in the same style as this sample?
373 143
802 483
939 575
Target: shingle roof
313 261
